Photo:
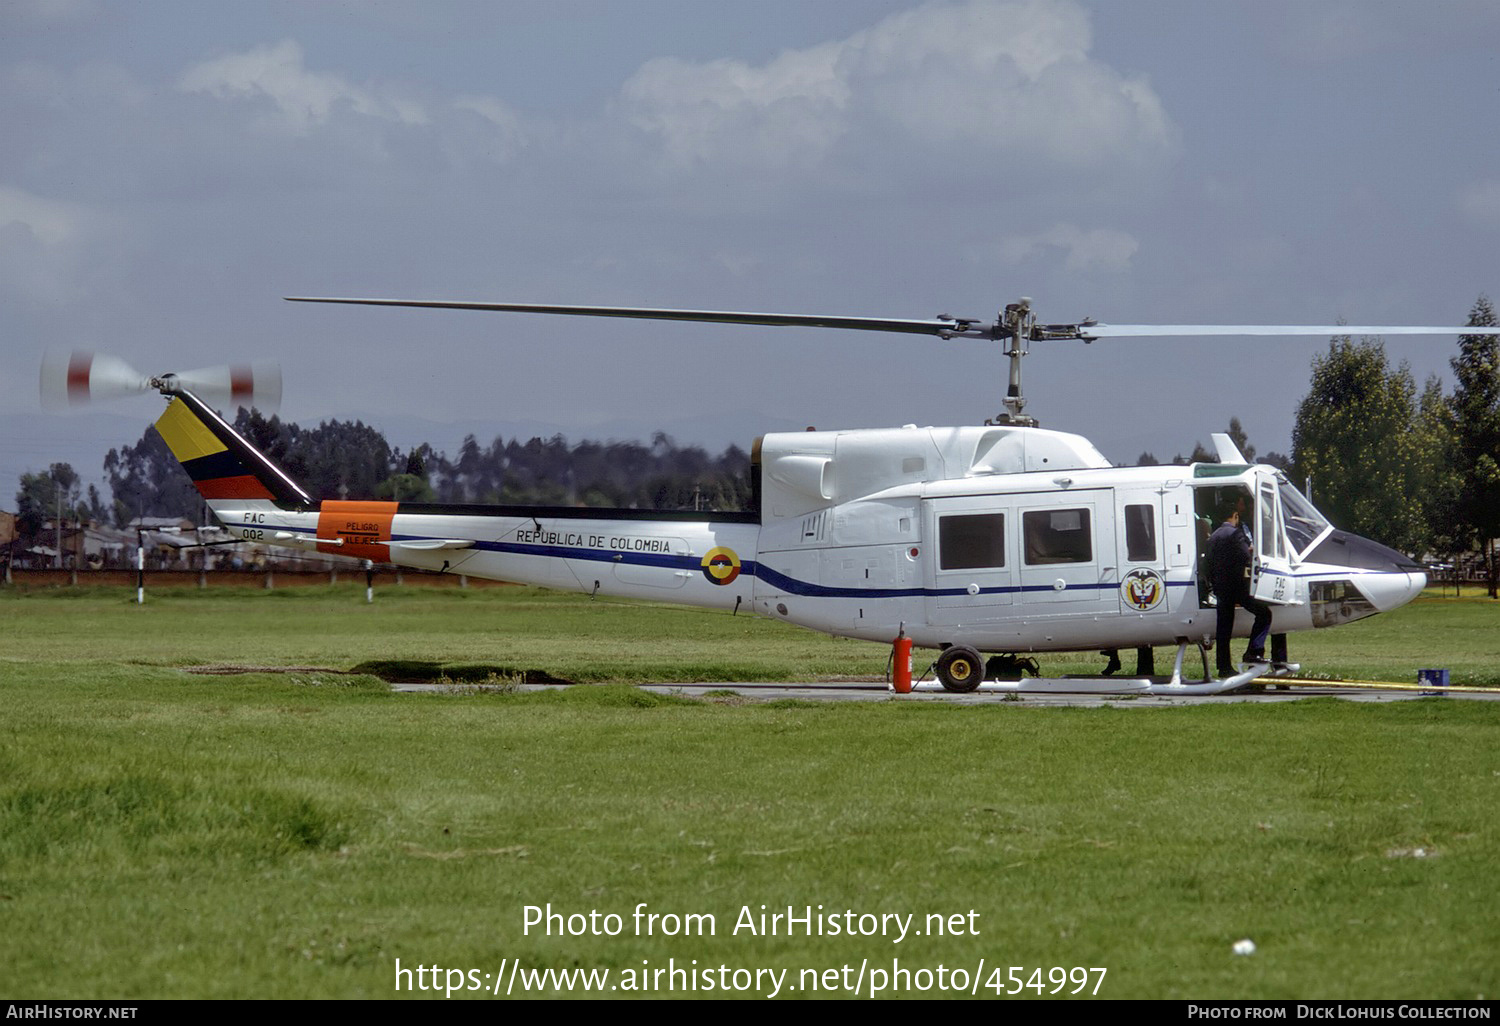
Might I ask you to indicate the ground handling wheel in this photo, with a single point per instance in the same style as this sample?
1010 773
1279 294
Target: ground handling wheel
960 668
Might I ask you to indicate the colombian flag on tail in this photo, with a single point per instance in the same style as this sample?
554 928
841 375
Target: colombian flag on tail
221 463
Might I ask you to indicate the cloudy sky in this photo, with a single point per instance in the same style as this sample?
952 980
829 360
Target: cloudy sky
170 170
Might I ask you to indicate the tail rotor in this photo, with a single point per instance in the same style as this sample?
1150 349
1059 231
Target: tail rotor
70 380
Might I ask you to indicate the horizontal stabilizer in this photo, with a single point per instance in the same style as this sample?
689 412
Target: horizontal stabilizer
433 544
303 541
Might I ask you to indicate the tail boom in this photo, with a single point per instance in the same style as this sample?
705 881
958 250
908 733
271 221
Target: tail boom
680 557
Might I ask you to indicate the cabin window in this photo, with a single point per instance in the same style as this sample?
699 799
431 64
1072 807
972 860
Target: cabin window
1140 533
1058 536
971 541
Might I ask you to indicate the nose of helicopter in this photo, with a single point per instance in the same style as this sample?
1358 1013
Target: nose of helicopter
1391 589
1387 579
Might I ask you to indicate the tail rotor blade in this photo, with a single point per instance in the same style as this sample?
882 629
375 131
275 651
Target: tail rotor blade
73 379
255 385
77 378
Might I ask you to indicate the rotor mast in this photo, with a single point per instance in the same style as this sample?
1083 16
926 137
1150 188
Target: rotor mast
1017 322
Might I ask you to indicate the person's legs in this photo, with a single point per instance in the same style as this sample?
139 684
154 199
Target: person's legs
1145 661
1255 651
1224 638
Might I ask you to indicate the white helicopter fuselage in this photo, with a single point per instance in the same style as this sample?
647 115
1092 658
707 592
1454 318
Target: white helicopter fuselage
1003 539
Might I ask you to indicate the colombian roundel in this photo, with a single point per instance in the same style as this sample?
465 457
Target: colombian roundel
721 566
1143 589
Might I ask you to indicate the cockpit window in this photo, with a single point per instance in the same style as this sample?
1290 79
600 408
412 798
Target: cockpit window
1304 524
1269 534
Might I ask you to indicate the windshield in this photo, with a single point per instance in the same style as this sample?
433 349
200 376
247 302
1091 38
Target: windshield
1304 524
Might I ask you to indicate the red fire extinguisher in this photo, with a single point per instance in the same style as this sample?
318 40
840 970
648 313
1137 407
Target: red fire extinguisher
901 663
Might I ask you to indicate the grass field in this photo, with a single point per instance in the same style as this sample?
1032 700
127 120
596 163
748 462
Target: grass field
295 834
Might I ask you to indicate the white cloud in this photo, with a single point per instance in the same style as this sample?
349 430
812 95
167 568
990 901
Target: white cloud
303 98
41 244
506 133
965 100
491 109
52 223
942 82
1481 202
787 111
279 95
1093 249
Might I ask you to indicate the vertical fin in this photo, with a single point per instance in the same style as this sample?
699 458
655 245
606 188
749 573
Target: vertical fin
221 463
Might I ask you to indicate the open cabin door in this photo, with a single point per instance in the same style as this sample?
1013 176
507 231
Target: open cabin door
1273 579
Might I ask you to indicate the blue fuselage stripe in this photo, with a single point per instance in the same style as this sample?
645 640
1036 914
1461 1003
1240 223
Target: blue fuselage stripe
753 568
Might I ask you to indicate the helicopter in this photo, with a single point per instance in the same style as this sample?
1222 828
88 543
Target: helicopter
988 543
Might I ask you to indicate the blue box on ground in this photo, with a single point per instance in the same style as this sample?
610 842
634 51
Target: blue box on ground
1432 679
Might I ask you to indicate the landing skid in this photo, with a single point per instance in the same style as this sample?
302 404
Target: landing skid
1173 685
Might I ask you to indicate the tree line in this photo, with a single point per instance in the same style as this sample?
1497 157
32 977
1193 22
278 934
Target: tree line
338 459
350 459
1415 468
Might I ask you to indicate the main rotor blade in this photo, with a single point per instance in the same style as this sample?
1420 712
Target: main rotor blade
1093 331
942 326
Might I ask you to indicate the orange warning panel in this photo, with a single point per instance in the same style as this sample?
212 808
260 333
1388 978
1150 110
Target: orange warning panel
365 527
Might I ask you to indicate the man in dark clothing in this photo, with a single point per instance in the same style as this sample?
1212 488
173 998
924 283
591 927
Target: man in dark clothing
1229 575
